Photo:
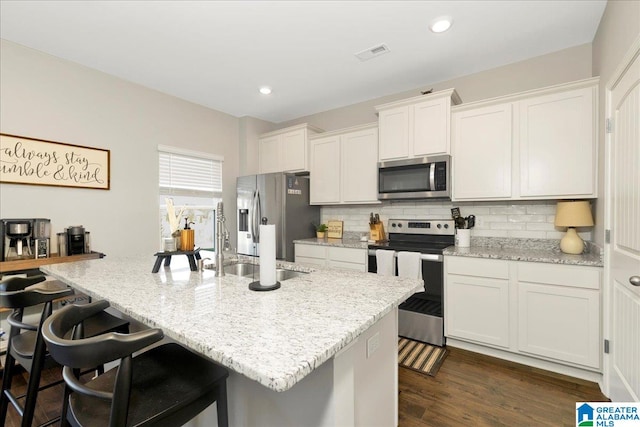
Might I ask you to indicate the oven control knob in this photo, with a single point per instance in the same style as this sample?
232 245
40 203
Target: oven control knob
393 224
439 225
446 226
400 225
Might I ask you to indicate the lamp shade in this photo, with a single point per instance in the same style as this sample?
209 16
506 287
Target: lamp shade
573 214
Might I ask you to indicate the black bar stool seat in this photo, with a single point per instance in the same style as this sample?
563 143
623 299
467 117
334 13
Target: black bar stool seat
166 385
26 346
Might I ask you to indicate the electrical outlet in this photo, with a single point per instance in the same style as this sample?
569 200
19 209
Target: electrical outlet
372 344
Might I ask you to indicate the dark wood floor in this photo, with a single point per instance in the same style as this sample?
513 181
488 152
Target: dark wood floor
475 390
469 390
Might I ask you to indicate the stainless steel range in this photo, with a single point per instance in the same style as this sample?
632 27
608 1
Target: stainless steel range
421 317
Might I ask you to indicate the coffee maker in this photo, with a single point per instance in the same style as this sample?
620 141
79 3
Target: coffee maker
75 240
24 238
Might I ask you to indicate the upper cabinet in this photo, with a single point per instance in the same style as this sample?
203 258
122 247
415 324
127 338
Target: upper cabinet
535 145
558 150
416 127
285 150
344 166
482 152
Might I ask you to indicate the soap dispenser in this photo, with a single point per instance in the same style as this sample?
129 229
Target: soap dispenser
187 236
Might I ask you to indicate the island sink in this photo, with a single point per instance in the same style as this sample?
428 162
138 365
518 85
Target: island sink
244 269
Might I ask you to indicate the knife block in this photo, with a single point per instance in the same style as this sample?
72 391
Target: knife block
376 232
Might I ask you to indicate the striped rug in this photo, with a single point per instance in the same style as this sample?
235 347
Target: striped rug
420 357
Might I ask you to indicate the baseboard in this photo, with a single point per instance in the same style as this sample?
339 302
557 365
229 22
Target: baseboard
583 374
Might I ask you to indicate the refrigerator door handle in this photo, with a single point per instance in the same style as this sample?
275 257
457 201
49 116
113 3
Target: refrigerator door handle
252 218
257 218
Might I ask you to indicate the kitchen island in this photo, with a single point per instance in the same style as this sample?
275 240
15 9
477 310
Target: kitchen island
298 355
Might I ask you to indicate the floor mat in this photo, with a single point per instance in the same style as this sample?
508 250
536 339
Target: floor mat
420 357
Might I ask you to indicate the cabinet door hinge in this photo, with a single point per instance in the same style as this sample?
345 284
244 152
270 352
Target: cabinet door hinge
607 236
609 126
606 346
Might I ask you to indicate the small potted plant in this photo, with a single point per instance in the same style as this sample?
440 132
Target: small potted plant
321 230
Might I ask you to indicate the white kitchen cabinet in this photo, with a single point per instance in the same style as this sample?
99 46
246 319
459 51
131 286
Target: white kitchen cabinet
285 150
310 254
332 256
558 149
418 126
343 166
559 312
536 310
477 301
359 166
540 144
347 258
324 170
482 152
394 131
269 154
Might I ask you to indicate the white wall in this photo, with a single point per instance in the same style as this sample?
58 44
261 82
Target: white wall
619 27
558 67
49 98
250 129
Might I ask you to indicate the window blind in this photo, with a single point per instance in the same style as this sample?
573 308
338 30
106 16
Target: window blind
189 175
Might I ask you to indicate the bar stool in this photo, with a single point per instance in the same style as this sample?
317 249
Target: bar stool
167 385
26 346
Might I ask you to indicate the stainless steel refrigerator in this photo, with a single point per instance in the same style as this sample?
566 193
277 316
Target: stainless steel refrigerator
277 198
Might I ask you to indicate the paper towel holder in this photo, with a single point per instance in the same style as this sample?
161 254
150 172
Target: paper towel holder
257 286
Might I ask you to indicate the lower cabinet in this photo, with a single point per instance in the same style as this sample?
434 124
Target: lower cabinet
559 313
332 256
546 311
479 305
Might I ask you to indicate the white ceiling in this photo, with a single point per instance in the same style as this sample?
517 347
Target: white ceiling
217 53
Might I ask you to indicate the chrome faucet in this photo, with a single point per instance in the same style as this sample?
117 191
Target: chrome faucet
220 239
201 264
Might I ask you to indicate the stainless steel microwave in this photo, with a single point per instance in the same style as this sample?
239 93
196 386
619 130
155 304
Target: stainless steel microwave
417 178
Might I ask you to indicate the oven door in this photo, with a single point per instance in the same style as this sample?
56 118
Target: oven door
421 316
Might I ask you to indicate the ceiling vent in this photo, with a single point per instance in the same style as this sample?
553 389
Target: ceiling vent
372 52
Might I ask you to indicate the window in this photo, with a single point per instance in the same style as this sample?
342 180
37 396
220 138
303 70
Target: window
193 181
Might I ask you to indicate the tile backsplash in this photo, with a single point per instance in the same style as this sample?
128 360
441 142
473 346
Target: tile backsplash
530 219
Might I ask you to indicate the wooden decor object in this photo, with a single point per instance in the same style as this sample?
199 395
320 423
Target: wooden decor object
335 229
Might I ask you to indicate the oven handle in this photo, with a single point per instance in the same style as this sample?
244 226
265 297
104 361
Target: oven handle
423 257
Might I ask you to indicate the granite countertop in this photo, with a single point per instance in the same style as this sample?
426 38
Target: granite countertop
532 250
275 338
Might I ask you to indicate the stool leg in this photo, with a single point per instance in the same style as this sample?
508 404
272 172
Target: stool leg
65 407
6 385
34 382
221 405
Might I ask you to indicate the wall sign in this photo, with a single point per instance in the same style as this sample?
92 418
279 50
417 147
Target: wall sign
38 162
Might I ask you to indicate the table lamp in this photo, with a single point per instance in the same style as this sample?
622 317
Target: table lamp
573 214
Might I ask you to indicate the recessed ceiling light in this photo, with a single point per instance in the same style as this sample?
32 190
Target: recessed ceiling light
440 25
265 90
